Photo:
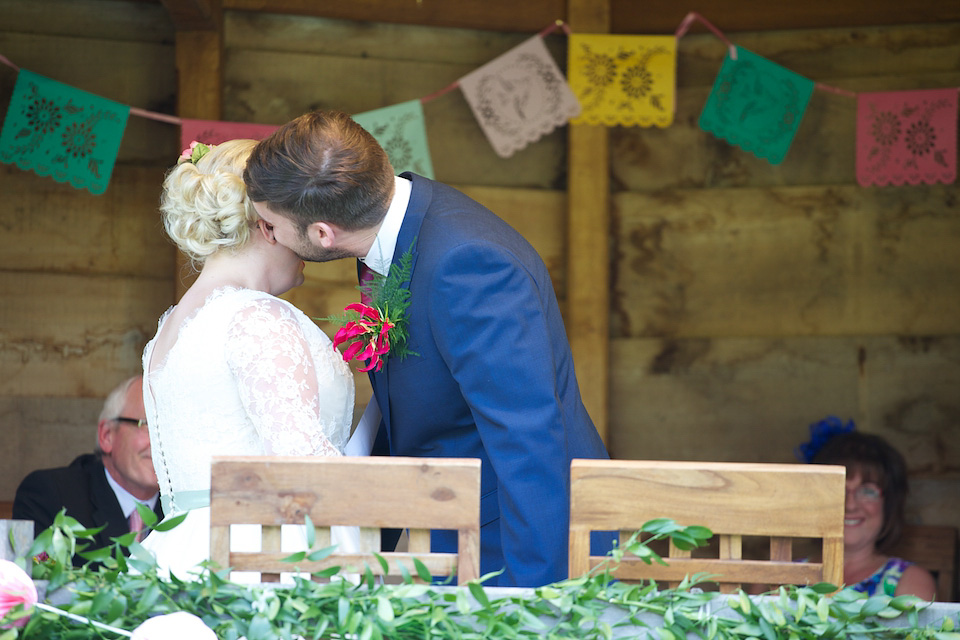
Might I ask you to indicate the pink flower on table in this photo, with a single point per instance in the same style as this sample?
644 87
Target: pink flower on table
16 588
367 338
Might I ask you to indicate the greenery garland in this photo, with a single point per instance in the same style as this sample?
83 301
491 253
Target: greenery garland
114 595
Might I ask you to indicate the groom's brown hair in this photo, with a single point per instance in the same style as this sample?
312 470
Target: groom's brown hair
324 167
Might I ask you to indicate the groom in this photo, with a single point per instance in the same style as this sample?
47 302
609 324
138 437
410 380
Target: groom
492 376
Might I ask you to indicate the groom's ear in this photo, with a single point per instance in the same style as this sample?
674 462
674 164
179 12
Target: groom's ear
323 234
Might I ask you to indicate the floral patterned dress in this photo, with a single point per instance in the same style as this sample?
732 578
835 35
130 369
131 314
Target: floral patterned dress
885 580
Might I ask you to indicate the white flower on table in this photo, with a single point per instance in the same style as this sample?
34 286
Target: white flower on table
174 625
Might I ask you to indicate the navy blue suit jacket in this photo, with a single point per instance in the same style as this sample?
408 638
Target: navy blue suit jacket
493 379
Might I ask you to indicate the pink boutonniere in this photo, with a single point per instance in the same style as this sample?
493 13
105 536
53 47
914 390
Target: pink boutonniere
368 337
373 332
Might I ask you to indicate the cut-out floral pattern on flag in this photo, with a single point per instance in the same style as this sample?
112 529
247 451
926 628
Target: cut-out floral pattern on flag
519 97
402 132
907 137
623 80
757 105
216 131
59 131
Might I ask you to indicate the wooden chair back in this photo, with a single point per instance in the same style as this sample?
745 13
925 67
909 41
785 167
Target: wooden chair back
779 501
394 492
935 549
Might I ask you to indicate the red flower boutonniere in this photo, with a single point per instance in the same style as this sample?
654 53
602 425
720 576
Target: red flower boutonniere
374 332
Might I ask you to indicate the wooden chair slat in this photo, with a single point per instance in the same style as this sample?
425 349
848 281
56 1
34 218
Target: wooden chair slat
372 493
734 500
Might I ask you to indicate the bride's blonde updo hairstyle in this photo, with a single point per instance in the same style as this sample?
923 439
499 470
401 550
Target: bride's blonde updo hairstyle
204 206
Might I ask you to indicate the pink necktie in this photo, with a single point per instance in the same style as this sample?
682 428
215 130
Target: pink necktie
366 275
136 524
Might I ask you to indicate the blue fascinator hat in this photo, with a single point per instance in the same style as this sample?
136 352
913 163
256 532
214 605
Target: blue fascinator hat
820 433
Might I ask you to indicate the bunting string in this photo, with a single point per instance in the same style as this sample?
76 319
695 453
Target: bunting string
626 80
836 90
153 115
689 19
559 24
7 62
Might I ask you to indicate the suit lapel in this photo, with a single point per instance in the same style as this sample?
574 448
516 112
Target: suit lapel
409 231
106 510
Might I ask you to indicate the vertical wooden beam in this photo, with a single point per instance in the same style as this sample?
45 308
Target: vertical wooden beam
588 234
199 60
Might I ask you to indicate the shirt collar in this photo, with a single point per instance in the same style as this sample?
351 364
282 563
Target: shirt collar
381 252
127 502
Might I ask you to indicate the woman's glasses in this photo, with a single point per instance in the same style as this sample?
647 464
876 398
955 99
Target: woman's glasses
866 493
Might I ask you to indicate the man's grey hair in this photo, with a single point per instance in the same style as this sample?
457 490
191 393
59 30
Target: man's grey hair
114 404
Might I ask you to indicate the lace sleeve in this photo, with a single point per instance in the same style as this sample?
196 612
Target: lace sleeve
277 379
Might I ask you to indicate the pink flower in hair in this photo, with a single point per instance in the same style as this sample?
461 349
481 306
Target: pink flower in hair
193 153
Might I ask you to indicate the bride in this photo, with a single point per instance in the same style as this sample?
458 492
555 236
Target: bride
232 370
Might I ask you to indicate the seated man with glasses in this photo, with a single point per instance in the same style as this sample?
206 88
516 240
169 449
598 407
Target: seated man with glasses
100 489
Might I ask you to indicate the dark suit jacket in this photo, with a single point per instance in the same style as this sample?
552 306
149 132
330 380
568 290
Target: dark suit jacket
83 489
493 379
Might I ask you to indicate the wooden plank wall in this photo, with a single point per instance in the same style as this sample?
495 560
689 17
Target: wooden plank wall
747 300
750 300
83 278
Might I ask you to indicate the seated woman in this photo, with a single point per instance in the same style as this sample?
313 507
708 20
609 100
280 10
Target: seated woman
874 516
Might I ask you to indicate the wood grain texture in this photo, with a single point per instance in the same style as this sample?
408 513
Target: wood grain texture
193 15
95 19
588 268
784 261
409 43
738 498
74 335
281 490
588 232
50 227
627 16
420 493
495 15
731 499
47 431
752 399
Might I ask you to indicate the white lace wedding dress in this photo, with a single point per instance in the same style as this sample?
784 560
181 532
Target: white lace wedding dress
234 383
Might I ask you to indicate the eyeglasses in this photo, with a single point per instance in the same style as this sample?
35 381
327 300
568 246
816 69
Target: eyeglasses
134 421
866 493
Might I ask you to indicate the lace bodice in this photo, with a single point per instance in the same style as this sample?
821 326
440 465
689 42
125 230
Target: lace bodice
249 374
